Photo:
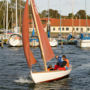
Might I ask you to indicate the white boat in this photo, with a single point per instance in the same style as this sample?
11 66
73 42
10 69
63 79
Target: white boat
83 43
53 42
46 50
39 77
15 40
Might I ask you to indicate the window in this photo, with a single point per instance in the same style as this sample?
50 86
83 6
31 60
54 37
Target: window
88 29
81 28
77 29
67 29
63 29
54 29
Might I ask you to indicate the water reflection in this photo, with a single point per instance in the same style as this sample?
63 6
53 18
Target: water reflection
55 85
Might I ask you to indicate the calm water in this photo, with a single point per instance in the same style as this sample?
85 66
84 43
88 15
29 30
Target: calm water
14 72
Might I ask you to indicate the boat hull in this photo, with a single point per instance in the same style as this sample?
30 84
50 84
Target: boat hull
15 40
53 42
83 43
34 43
39 77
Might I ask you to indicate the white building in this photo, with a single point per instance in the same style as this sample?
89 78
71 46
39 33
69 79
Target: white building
67 25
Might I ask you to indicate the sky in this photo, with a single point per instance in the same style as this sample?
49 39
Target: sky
63 6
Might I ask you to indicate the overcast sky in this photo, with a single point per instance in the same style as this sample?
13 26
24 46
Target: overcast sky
63 6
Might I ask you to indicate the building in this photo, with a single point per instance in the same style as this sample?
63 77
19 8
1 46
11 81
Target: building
67 26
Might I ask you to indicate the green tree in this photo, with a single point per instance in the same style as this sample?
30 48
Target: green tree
70 15
44 13
81 14
54 13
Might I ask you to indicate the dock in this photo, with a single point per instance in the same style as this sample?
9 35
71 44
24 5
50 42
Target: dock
67 42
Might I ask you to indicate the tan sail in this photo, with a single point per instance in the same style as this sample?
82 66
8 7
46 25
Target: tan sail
25 34
46 49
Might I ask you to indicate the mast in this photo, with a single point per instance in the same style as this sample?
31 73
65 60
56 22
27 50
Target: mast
12 19
79 23
72 19
48 12
60 22
42 53
48 24
20 17
16 16
7 20
4 19
86 15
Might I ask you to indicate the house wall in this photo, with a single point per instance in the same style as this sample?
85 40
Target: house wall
65 30
68 29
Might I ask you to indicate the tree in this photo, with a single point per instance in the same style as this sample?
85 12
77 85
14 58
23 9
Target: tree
52 13
70 15
44 13
81 14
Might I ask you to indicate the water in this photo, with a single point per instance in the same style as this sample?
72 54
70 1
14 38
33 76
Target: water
14 72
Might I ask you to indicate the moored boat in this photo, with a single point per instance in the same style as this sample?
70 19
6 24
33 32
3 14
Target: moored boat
15 40
84 43
34 42
53 42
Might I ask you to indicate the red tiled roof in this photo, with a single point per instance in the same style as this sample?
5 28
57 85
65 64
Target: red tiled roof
66 22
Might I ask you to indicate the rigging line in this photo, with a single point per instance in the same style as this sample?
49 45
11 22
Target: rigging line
86 16
9 21
37 7
72 18
48 11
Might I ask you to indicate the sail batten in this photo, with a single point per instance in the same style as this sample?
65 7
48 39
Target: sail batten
25 36
44 43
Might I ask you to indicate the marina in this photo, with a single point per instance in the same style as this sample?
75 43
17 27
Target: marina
46 50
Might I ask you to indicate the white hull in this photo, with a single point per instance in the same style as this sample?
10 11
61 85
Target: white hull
34 43
83 43
53 42
39 77
15 40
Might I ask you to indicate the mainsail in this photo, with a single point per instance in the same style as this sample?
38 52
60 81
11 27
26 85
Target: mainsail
44 42
25 34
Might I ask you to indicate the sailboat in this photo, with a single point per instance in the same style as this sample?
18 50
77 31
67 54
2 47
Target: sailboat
7 32
53 42
34 42
84 41
46 50
16 38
